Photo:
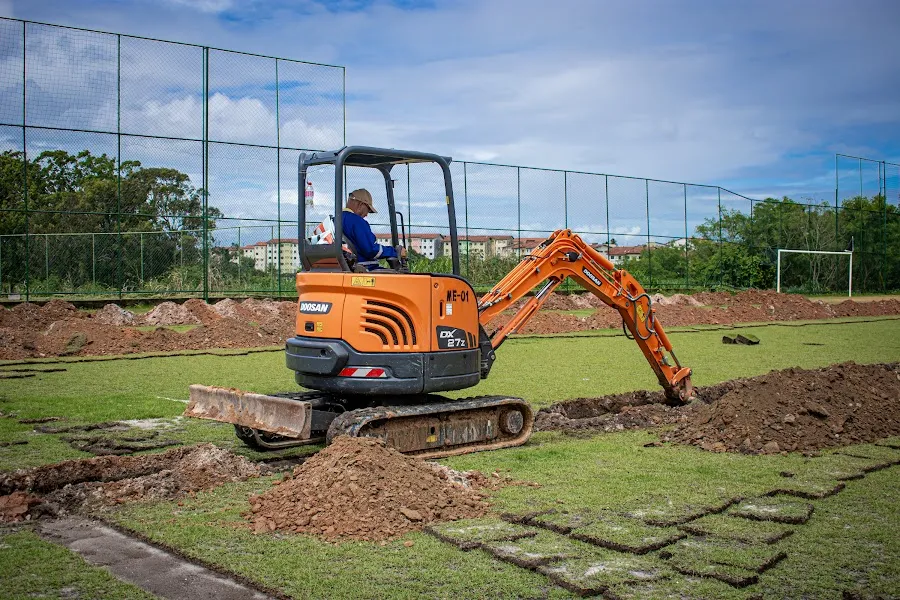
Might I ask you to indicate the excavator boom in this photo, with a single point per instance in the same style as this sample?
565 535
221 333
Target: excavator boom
565 255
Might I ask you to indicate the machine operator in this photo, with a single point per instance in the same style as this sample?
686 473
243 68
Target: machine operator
359 233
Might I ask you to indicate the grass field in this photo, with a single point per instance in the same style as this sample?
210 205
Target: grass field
849 545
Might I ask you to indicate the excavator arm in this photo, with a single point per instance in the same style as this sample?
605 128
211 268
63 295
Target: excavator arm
563 255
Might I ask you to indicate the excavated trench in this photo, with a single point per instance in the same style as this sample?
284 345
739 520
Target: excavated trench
793 410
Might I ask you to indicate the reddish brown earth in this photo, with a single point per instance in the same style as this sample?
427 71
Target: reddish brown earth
799 410
59 329
789 410
93 483
705 308
356 488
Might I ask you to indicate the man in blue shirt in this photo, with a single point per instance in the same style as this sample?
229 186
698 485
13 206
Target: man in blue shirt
358 231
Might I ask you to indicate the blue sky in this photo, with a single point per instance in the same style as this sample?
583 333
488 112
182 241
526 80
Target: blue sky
755 96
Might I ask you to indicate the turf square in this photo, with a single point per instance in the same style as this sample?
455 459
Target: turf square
467 534
601 569
625 534
532 552
564 521
741 530
883 455
777 510
717 551
676 515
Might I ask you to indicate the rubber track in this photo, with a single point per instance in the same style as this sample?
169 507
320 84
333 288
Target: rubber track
352 422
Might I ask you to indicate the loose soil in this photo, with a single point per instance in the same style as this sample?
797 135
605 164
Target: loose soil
94 483
59 329
789 410
356 488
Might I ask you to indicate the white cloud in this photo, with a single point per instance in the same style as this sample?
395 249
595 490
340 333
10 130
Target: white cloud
204 6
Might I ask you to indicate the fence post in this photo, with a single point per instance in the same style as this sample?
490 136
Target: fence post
860 179
278 173
649 252
687 260
518 217
837 233
46 257
94 259
466 205
882 168
25 172
1 260
721 258
205 173
119 252
142 257
606 195
240 255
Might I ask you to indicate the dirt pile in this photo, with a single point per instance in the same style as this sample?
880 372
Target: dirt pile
800 410
790 410
29 330
16 506
113 314
58 329
93 483
850 308
358 489
169 313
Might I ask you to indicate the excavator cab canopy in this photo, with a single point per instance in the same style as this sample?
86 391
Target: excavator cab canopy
330 256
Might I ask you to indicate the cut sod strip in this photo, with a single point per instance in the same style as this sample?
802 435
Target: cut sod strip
467 534
618 532
733 562
671 515
737 529
883 454
532 552
776 510
596 571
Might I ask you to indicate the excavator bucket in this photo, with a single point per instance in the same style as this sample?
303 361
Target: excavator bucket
281 416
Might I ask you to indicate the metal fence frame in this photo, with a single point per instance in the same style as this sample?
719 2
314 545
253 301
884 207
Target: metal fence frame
662 211
205 141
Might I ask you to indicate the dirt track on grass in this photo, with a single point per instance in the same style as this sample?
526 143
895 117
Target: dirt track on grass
789 410
59 329
93 483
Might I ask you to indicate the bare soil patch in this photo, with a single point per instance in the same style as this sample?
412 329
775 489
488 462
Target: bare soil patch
800 410
789 410
705 308
356 488
59 329
94 483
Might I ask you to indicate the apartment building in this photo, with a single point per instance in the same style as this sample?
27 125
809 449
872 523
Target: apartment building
265 254
429 245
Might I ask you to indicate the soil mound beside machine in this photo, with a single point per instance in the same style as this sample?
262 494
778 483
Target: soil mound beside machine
376 346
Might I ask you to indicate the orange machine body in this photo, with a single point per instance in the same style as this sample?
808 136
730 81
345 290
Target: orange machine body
389 312
423 332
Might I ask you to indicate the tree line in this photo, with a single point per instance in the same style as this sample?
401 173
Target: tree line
86 194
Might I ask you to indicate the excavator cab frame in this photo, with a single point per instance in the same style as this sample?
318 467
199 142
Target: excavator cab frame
330 257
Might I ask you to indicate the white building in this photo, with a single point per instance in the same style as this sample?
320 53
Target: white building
429 245
265 254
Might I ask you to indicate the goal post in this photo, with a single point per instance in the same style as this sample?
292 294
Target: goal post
848 253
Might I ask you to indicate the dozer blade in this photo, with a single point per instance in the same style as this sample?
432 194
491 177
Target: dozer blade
443 428
281 416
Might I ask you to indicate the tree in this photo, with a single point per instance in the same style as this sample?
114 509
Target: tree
157 208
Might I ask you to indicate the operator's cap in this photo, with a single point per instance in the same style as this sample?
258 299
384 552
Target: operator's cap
363 195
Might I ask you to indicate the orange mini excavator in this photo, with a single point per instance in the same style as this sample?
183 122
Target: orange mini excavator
375 346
